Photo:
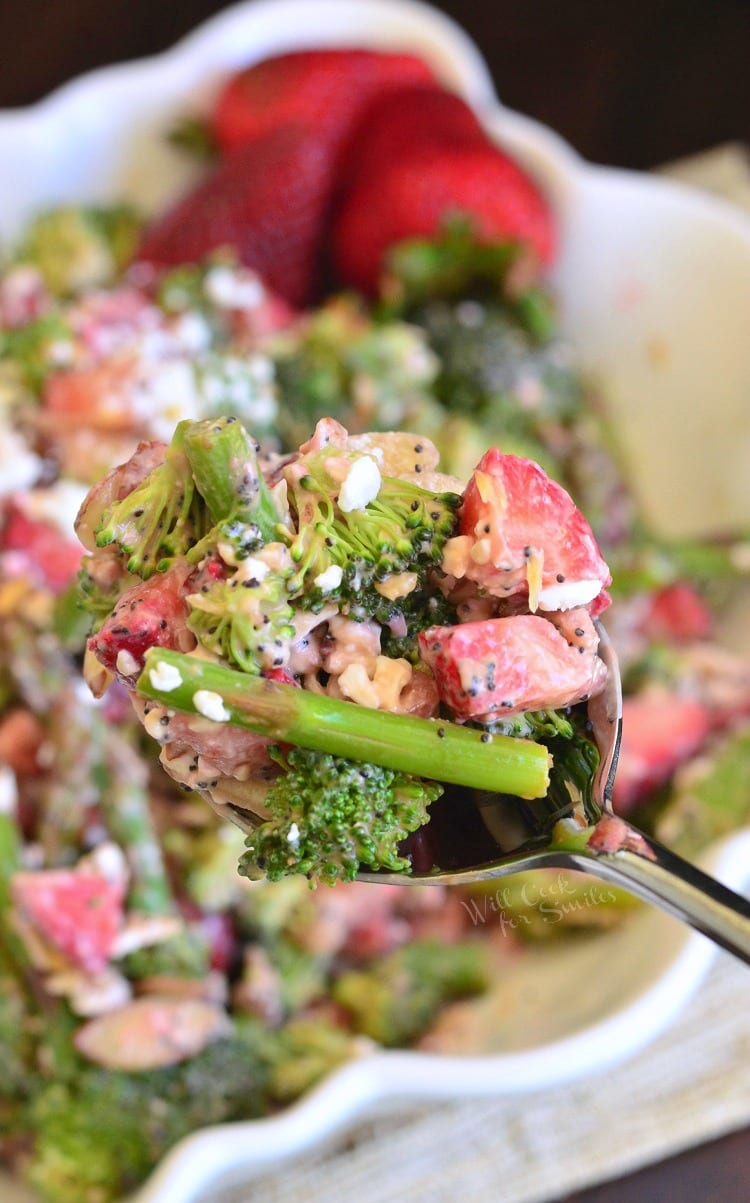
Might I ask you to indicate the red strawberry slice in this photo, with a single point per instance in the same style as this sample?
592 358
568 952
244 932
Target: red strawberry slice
266 201
521 532
152 614
677 614
79 913
44 553
502 666
417 194
660 730
400 122
323 91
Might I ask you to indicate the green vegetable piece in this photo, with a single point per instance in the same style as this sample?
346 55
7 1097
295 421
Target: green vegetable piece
329 816
76 248
241 624
304 1052
96 1138
397 999
402 530
223 459
435 750
161 519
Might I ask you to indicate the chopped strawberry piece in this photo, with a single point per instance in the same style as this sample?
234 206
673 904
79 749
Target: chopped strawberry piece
678 614
660 730
79 913
418 193
502 666
152 614
100 395
323 91
521 533
267 201
44 553
282 675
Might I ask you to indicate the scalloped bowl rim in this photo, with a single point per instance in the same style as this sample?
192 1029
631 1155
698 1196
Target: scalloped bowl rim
379 1077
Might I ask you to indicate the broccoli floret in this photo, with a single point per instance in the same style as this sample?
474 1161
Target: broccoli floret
422 609
31 351
302 1053
330 815
98 1137
397 999
400 533
243 621
371 376
161 518
77 248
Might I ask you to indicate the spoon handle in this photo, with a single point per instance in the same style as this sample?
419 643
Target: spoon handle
623 855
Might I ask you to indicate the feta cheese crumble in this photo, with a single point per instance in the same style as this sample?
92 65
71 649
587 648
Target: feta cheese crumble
330 579
165 677
211 705
361 485
569 595
126 663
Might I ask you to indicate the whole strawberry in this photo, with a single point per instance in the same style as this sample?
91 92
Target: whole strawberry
323 91
422 190
400 121
267 200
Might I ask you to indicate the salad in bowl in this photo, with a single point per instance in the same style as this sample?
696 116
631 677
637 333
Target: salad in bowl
297 291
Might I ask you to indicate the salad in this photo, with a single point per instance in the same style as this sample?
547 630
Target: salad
354 572
145 988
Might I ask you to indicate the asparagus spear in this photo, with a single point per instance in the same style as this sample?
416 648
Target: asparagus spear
437 750
127 814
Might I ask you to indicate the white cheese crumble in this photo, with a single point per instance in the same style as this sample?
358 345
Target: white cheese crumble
211 705
19 467
126 663
8 790
330 579
292 836
568 595
165 677
233 290
361 486
251 569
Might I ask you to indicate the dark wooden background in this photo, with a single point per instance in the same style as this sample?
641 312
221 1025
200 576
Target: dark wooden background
635 83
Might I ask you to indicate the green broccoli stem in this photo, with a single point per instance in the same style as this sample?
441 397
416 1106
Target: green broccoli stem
224 463
436 750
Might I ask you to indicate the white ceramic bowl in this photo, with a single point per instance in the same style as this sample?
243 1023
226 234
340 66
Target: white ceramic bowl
654 288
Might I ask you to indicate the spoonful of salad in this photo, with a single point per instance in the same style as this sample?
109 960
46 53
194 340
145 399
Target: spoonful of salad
374 671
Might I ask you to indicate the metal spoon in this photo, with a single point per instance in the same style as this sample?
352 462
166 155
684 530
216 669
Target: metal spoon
476 837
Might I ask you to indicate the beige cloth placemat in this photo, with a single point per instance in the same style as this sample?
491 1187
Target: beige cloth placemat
690 1086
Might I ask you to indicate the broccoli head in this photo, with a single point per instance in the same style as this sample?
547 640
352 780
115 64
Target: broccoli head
395 1000
366 558
98 1136
161 518
330 815
76 248
245 620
